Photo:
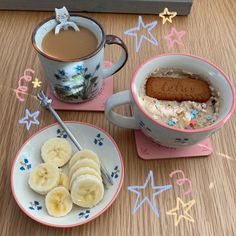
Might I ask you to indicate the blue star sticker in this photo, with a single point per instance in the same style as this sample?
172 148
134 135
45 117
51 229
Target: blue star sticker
147 27
156 191
27 119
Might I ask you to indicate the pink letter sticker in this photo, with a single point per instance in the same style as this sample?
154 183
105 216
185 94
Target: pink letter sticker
22 88
181 181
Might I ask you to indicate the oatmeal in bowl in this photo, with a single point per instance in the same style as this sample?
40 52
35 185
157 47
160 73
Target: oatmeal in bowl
183 113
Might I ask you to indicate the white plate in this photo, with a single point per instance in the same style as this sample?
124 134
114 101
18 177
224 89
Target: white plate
28 157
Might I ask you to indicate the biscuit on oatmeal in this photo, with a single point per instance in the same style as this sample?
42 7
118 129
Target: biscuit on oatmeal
178 89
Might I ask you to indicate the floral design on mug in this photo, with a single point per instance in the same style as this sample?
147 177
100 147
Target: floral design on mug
181 140
143 126
78 84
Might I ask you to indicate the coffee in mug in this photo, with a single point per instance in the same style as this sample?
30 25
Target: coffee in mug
69 44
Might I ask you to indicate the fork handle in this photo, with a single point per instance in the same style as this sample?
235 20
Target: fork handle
72 137
105 176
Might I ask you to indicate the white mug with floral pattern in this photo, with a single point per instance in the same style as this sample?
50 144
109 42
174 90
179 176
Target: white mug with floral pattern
80 79
159 131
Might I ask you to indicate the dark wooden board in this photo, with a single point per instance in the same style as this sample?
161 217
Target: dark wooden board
115 6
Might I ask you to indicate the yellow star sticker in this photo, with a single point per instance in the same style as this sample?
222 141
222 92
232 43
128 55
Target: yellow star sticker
167 16
36 83
185 207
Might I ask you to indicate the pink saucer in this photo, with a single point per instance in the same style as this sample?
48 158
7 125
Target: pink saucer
148 150
95 104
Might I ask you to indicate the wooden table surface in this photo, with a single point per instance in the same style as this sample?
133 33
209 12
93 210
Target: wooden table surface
210 33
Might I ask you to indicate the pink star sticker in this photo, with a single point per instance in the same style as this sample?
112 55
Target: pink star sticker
175 37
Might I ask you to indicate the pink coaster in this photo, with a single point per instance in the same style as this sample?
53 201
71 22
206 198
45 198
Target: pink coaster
148 150
95 104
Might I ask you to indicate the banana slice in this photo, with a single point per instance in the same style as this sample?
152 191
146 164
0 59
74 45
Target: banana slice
84 154
87 191
84 163
58 202
64 181
84 171
56 150
44 177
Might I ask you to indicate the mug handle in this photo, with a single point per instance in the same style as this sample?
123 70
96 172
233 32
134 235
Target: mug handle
123 97
112 39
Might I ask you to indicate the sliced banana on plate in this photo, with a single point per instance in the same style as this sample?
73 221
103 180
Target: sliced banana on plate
58 202
84 154
84 163
84 171
64 181
87 191
56 150
84 179
44 177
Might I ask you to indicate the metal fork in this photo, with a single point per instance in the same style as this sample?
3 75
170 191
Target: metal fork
46 103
